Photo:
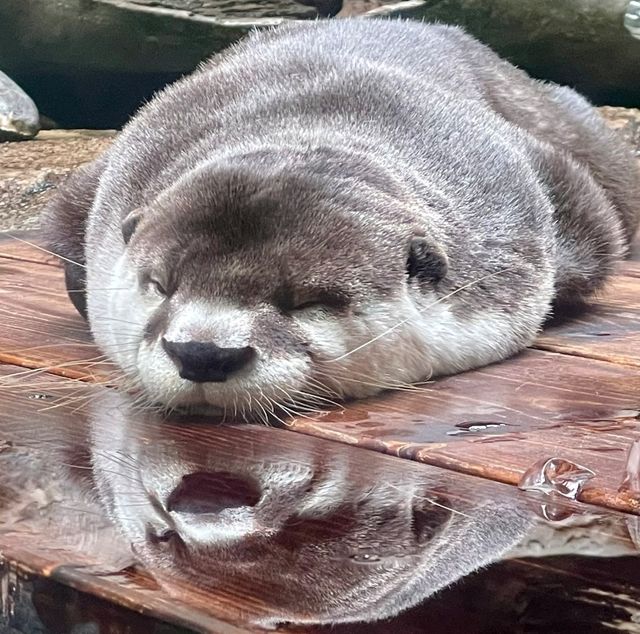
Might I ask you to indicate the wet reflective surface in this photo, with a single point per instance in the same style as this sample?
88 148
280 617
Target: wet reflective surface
209 527
497 422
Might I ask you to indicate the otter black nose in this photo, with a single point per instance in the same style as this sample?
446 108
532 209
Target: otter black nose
205 362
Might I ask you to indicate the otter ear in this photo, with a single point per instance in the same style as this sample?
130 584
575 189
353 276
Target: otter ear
429 517
130 223
426 261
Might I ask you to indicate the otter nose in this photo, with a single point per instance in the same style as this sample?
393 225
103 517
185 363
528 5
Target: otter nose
203 362
204 492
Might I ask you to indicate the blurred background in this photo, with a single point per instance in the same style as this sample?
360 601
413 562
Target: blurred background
91 63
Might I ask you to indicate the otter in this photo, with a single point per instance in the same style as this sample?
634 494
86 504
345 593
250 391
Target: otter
330 209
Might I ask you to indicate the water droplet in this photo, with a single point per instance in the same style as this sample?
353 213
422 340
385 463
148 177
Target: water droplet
365 558
631 480
633 526
556 476
554 512
40 396
474 427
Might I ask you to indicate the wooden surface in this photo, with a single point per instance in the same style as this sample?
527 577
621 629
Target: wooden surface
80 467
83 477
574 397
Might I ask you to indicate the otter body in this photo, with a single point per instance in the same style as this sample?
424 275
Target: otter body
333 208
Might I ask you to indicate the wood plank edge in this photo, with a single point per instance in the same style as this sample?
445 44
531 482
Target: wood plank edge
594 495
594 356
66 373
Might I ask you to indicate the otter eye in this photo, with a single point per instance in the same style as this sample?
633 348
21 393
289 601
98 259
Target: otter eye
151 283
317 299
157 287
312 303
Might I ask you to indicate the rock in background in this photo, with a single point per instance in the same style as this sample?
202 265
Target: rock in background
90 63
30 171
580 43
19 118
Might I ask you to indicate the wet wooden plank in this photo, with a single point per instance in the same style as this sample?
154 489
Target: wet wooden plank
609 329
498 421
271 526
37 322
494 422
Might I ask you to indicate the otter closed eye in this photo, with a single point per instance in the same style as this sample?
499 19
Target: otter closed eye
305 300
283 245
156 286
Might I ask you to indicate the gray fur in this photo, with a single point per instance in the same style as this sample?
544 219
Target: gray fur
304 162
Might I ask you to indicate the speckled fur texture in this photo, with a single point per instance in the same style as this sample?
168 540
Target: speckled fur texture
365 203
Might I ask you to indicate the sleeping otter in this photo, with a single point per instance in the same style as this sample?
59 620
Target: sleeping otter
333 208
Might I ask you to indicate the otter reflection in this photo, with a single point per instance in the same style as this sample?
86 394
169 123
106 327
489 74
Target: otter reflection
262 526
302 535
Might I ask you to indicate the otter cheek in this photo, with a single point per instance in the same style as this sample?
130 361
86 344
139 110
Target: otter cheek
116 313
158 375
362 354
327 336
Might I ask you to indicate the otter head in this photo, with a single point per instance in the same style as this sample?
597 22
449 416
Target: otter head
265 290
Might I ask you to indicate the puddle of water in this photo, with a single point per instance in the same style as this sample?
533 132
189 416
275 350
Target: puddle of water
208 510
41 396
474 427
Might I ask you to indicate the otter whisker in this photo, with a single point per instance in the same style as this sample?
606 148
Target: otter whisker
52 293
264 417
323 388
298 408
273 405
41 248
402 322
399 387
34 331
318 399
33 316
57 366
116 319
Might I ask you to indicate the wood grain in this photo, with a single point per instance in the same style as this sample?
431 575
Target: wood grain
320 503
608 330
37 322
495 422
